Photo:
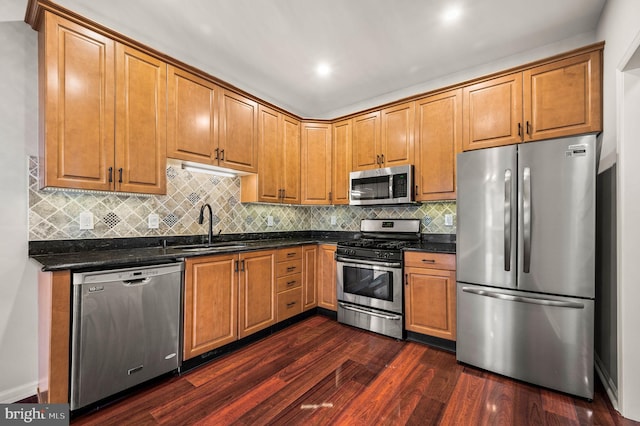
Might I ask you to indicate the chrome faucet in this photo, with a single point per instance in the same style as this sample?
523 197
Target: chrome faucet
201 221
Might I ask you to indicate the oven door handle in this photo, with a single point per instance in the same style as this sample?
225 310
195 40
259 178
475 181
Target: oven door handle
373 314
356 262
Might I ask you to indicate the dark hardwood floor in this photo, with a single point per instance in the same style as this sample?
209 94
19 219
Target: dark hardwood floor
320 372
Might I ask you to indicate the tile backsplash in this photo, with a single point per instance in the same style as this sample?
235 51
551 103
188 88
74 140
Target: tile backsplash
54 215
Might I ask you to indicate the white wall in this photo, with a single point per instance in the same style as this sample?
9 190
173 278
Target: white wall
620 27
18 138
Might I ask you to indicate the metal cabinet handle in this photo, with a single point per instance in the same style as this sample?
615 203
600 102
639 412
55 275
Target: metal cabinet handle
373 314
522 299
377 159
406 279
528 128
520 129
242 265
526 218
330 196
217 151
382 159
120 173
110 174
507 220
237 266
222 155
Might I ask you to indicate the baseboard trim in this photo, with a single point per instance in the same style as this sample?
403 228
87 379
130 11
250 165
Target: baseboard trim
19 393
609 385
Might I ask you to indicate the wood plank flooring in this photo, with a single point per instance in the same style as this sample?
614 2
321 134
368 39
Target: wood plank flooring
319 372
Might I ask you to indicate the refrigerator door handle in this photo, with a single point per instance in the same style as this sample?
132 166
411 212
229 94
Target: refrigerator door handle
522 299
507 220
526 218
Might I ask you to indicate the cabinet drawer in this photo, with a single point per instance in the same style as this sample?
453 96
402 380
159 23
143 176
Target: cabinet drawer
289 303
288 282
430 260
288 268
289 253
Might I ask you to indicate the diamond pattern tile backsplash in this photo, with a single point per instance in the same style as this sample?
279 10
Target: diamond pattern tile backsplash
54 215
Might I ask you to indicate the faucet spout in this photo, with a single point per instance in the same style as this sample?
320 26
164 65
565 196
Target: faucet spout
201 221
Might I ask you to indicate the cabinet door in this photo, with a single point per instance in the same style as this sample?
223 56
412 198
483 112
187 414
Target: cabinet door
141 109
77 94
430 302
366 141
309 277
438 140
397 135
316 155
290 182
327 277
341 162
563 98
257 292
192 119
492 112
210 303
269 155
238 137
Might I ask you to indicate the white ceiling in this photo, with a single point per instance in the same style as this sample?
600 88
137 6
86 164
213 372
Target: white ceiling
271 47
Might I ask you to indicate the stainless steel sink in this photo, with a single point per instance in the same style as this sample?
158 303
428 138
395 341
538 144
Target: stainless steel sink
207 247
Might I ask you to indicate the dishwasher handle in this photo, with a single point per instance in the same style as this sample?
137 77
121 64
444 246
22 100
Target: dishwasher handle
136 282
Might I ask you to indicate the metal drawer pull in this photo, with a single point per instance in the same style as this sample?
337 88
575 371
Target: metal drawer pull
134 369
291 305
530 300
428 260
290 283
291 268
291 254
373 314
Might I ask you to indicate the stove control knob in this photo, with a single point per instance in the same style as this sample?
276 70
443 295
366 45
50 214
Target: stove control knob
351 252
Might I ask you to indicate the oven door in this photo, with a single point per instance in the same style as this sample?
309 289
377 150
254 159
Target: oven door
375 284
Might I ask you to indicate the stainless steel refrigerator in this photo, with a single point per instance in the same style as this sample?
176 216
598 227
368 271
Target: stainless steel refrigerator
526 261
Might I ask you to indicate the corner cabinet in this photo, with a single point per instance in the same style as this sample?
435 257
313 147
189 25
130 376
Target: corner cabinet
103 123
560 98
278 178
438 139
430 294
327 277
315 163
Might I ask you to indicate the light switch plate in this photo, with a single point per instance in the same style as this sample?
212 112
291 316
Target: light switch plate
86 220
448 220
153 221
269 220
334 220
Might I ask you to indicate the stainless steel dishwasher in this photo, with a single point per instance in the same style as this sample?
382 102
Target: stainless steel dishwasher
125 329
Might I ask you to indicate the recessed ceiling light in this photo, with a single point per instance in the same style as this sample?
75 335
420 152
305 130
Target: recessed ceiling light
323 69
451 14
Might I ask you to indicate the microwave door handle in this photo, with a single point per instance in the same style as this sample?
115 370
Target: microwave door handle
391 194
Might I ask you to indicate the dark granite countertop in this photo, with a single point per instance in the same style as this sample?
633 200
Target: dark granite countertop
126 252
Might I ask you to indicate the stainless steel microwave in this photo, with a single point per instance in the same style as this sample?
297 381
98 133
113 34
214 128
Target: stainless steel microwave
390 185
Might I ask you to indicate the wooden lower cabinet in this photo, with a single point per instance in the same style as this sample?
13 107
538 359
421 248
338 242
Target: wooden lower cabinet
327 277
430 294
257 291
289 277
210 303
309 277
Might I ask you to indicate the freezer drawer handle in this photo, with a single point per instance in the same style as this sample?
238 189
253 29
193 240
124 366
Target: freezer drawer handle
531 300
507 220
373 314
526 218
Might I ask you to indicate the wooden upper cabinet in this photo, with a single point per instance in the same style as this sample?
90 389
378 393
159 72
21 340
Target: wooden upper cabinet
210 303
291 191
316 163
238 133
342 134
104 118
77 92
269 156
396 143
141 107
366 141
192 122
564 97
492 112
438 139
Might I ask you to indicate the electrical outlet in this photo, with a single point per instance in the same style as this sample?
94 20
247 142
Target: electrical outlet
334 219
448 220
153 221
269 220
86 220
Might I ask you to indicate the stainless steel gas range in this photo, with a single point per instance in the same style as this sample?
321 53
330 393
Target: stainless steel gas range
369 275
